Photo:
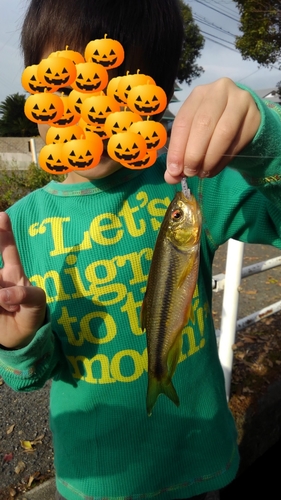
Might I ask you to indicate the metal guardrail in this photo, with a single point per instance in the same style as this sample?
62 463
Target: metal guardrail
229 283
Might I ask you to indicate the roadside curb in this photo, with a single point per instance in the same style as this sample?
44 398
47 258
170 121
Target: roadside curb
45 491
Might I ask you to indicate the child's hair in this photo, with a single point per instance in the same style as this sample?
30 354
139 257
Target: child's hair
151 32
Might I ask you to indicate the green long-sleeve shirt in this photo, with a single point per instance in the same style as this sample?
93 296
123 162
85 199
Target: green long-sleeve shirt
89 246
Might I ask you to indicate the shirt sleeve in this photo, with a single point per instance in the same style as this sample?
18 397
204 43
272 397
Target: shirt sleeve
29 368
260 161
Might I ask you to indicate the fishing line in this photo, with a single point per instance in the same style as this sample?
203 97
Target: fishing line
241 156
185 188
244 156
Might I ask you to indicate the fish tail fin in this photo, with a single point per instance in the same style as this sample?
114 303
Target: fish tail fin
156 387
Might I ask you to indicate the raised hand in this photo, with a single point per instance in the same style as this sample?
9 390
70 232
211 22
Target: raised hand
213 125
22 306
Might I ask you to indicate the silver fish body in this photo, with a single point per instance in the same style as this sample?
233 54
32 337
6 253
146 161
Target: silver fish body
170 287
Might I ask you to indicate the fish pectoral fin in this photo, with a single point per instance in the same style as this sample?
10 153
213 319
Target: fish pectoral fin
156 387
191 315
187 269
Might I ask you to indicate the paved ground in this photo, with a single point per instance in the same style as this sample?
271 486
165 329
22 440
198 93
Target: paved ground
24 417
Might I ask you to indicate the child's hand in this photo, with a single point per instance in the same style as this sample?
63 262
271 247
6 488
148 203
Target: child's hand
215 120
22 306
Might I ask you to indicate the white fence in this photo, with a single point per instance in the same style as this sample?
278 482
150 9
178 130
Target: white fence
230 284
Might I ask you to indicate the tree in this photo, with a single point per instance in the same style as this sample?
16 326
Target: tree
13 122
192 45
261 28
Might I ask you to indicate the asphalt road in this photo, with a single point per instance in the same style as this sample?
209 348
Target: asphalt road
24 416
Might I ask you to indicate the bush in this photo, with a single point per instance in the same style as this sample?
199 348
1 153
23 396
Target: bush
15 184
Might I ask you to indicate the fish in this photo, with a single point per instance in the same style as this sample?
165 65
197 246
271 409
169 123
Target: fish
167 304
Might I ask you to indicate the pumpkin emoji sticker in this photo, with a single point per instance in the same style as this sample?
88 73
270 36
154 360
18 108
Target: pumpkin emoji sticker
105 51
44 108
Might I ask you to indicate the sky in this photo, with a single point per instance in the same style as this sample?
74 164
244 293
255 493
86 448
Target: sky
217 19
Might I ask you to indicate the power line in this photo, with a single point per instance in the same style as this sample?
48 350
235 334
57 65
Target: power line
245 77
204 21
221 44
217 37
216 10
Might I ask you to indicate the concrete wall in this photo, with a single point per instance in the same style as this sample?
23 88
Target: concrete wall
15 151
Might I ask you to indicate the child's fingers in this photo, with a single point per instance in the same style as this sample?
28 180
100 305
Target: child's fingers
212 126
236 127
193 129
180 136
224 142
12 272
8 248
203 131
12 297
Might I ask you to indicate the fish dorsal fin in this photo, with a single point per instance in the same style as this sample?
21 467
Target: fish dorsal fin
187 269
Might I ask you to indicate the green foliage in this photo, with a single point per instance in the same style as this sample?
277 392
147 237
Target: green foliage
13 122
15 184
261 28
192 45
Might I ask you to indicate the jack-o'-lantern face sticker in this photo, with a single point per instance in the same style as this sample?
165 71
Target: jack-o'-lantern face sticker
51 159
93 129
70 115
60 135
57 71
96 109
120 121
154 133
129 81
43 108
105 51
147 161
76 100
127 147
75 56
112 89
147 100
31 83
86 117
83 154
91 77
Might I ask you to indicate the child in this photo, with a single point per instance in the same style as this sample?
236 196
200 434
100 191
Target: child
88 244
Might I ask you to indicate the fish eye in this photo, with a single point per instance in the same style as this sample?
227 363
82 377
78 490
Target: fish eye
176 214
